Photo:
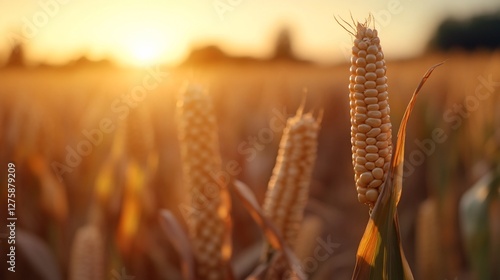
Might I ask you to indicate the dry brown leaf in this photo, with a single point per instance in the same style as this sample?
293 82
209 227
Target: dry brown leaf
273 236
179 239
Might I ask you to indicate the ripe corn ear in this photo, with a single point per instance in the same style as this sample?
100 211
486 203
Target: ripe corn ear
288 187
201 161
371 129
87 255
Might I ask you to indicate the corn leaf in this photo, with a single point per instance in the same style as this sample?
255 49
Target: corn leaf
246 261
273 236
179 239
38 255
264 269
53 192
380 253
479 212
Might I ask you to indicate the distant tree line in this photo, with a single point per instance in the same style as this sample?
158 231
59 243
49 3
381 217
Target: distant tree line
478 32
17 59
283 51
16 56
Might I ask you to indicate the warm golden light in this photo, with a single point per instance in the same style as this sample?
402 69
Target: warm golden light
145 47
144 53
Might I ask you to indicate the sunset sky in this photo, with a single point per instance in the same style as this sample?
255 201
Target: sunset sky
141 32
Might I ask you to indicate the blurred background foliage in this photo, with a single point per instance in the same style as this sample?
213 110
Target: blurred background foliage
134 171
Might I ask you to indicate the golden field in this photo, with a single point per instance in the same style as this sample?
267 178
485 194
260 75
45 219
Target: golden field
99 146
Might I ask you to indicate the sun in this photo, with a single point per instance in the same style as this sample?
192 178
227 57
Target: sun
145 43
144 48
143 52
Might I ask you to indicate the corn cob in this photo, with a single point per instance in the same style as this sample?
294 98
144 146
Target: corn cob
201 159
288 187
87 255
371 137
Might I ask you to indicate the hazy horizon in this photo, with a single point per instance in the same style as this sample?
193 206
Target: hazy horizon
144 32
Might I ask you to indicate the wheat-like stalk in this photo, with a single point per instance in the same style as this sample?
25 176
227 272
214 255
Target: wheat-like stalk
87 255
288 187
201 161
371 137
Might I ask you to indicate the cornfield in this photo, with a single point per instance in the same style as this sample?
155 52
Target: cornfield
246 172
